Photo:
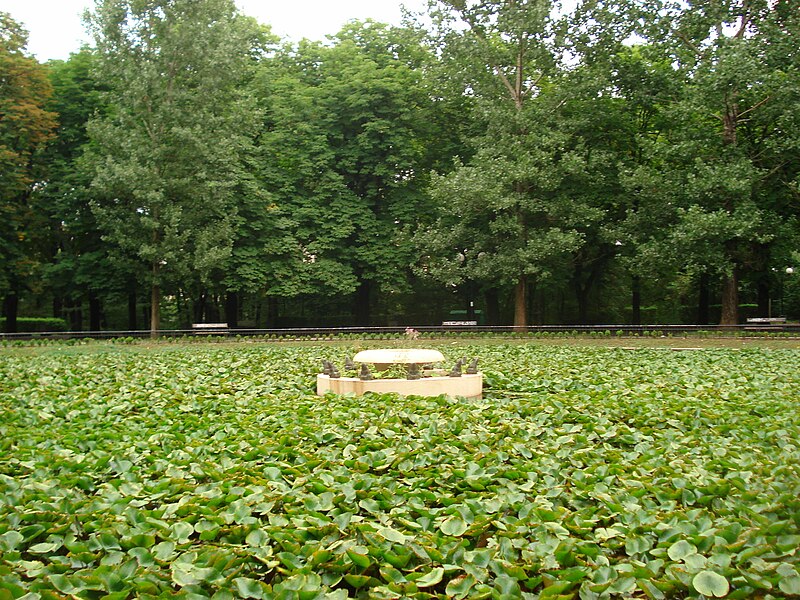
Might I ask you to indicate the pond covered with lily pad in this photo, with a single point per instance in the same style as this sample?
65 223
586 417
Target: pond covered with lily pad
582 472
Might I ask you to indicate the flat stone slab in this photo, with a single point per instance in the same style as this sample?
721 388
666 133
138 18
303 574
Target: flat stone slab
399 356
466 386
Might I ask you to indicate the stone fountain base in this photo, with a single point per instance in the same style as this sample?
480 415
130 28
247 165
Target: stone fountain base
468 386
428 382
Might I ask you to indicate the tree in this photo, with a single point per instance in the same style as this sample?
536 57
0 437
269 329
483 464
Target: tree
379 112
739 61
508 206
168 156
351 131
25 128
619 98
81 267
310 209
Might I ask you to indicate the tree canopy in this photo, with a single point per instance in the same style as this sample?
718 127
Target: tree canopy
619 162
25 128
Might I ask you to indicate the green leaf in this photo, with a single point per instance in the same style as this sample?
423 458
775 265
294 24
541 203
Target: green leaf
44 547
460 586
637 545
507 586
391 535
790 585
430 578
623 586
392 575
164 550
109 542
650 589
681 549
359 555
248 588
307 585
10 540
695 562
181 531
455 526
65 584
357 581
184 574
142 556
258 538
709 583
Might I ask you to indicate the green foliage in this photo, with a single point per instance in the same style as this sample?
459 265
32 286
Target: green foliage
168 157
488 207
216 470
527 151
82 267
351 132
733 61
26 126
37 324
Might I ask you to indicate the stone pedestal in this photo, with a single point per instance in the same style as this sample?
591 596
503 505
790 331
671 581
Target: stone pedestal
467 386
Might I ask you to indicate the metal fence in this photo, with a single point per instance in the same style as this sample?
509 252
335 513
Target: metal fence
789 330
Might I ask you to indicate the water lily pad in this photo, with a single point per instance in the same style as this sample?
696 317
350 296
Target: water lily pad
455 526
248 588
581 470
44 547
790 585
431 578
460 586
10 540
709 583
681 549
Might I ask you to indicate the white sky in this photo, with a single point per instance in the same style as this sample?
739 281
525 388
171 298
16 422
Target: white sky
56 29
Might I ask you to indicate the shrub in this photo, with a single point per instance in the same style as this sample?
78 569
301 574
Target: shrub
36 324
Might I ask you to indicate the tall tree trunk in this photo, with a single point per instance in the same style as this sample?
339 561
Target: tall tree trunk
132 310
155 303
10 309
232 309
95 310
74 314
764 299
212 309
363 303
730 299
704 300
583 288
199 308
636 300
58 307
521 303
273 312
492 298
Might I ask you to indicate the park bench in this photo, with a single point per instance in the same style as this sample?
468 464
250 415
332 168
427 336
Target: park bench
764 323
209 328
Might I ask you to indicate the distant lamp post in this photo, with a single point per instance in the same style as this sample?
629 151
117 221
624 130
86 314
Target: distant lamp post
789 271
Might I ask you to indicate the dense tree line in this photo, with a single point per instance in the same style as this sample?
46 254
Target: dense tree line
626 161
